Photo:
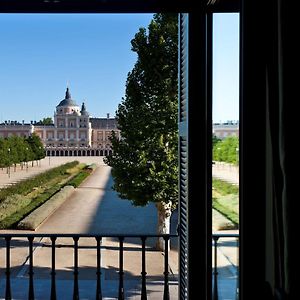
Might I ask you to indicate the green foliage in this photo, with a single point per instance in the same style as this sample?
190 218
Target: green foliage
226 211
80 177
18 200
46 121
36 146
224 188
226 199
215 140
24 187
28 206
226 150
144 161
17 149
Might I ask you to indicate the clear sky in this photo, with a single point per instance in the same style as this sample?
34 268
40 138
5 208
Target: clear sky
41 53
225 67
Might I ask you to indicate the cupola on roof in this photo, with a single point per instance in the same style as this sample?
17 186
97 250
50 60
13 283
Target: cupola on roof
67 101
83 110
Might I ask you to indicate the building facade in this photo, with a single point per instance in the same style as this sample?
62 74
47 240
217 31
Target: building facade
74 132
223 130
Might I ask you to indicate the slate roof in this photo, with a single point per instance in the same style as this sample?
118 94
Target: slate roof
67 101
103 123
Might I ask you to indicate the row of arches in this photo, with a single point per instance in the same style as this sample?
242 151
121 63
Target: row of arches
78 152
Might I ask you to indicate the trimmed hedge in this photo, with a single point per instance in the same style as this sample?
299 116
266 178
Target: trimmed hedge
226 200
229 214
22 212
26 186
32 221
33 192
81 176
224 188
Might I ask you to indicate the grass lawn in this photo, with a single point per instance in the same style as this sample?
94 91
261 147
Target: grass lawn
226 200
25 196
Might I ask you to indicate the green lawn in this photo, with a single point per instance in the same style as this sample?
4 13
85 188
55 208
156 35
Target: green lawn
18 200
226 200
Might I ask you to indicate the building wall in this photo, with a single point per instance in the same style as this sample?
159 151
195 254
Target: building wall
67 139
7 130
225 130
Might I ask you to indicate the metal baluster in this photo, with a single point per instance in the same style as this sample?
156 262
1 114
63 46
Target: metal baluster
76 288
166 272
8 287
215 290
121 272
31 289
144 273
53 273
237 270
98 289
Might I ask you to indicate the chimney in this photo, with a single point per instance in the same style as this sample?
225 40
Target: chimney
107 115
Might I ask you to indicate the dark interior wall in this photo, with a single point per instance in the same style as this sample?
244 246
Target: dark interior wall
267 183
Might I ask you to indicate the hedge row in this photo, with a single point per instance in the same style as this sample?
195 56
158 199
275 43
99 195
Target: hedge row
26 186
23 211
32 221
81 176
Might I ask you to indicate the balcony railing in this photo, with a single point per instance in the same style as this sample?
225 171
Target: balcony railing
30 294
218 242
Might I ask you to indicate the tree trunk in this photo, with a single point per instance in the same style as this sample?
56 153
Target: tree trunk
163 222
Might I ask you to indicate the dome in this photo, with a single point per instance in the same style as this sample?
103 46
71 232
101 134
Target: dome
67 101
83 110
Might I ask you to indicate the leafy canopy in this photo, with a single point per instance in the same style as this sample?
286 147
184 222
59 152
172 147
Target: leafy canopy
144 161
46 121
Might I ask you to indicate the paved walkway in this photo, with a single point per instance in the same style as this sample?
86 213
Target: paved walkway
93 208
35 168
227 247
226 172
96 208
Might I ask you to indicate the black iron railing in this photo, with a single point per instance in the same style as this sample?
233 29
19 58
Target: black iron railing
75 237
216 238
121 238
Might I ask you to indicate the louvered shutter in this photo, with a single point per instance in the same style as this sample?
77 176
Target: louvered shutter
183 156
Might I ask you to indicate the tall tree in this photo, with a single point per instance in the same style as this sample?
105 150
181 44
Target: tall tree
144 161
36 146
46 121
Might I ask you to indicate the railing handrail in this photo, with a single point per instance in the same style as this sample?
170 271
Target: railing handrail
85 235
216 237
105 235
226 235
9 236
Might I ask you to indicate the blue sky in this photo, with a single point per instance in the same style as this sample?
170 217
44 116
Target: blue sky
225 67
41 53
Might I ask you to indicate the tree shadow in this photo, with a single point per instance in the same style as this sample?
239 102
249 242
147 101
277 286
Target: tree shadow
87 280
17 242
227 243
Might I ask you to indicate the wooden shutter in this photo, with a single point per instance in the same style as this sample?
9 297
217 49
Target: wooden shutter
183 156
195 132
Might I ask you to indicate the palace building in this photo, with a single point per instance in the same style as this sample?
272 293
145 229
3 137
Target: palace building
74 132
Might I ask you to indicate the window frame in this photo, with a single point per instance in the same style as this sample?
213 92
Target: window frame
199 120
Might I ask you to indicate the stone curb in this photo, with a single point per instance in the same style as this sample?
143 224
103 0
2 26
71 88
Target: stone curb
220 222
39 215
